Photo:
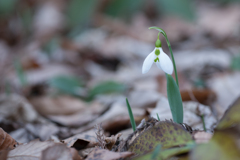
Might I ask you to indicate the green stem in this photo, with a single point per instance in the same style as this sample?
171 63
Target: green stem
203 121
174 65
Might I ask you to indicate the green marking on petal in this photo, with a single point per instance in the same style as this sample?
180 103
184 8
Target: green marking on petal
157 59
157 52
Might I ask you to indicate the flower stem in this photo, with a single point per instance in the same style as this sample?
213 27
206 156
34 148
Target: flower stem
174 65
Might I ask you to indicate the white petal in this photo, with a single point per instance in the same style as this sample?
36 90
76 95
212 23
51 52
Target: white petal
148 62
158 65
165 62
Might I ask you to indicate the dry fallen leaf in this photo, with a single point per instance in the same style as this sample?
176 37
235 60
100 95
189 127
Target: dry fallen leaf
60 105
203 96
102 154
30 151
6 141
17 109
226 86
66 110
59 152
82 140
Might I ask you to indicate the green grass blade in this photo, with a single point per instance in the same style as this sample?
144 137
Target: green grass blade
131 116
20 73
158 117
203 121
174 99
170 49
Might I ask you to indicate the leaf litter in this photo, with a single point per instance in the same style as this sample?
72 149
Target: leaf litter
62 75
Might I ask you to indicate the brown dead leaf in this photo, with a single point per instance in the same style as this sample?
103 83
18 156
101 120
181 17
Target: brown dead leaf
17 109
60 152
203 96
110 141
67 111
61 105
3 155
226 86
30 151
82 140
226 21
116 118
6 141
102 154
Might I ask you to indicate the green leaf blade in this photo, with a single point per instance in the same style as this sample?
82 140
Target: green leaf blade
131 116
174 99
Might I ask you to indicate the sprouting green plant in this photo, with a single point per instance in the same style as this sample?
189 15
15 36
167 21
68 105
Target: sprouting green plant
164 62
131 116
158 117
203 121
20 73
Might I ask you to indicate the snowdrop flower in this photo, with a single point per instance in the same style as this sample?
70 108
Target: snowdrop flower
160 58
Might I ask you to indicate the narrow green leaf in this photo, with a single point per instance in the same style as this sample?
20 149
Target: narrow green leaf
106 87
183 8
66 84
170 49
131 116
158 117
203 121
20 73
174 99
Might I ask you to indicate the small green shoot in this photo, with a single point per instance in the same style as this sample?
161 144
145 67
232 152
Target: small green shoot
67 84
105 88
235 62
131 116
20 73
158 117
203 121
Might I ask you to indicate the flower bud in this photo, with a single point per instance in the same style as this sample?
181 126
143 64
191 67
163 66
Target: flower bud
158 43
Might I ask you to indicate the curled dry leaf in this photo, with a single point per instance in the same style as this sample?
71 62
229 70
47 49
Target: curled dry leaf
6 141
102 154
60 152
165 133
111 141
30 151
66 110
82 140
203 96
16 108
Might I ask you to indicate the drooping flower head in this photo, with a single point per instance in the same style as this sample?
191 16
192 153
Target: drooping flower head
160 58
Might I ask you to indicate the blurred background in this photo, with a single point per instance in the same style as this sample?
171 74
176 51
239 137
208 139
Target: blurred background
82 56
